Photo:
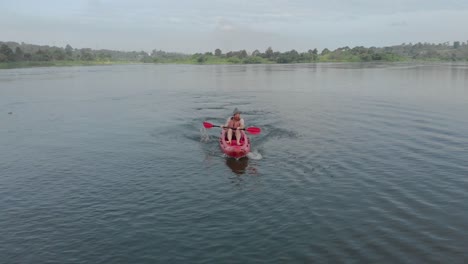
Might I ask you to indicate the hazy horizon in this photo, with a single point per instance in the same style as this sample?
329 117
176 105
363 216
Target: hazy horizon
201 26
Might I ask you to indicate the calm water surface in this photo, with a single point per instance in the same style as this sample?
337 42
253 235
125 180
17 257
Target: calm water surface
356 163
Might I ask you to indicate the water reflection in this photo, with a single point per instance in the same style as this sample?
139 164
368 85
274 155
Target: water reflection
238 166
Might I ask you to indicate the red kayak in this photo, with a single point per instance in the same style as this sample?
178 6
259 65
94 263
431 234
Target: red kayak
233 150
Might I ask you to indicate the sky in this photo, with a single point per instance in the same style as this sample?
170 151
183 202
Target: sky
230 25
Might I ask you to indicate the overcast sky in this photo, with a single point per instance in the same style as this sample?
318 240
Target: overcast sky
204 25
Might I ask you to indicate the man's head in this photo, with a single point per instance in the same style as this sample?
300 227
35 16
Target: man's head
236 114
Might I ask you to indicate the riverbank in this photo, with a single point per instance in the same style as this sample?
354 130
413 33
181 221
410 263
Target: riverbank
211 60
32 64
23 55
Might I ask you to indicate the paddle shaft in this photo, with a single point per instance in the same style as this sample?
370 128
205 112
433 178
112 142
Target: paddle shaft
251 130
233 128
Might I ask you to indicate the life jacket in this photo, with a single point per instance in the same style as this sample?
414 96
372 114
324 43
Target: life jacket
234 123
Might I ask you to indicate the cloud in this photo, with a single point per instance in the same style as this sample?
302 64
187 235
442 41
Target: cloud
223 24
399 24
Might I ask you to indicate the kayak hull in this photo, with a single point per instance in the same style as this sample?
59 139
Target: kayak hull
233 150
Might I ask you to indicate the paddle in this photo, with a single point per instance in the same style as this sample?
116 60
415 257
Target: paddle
251 130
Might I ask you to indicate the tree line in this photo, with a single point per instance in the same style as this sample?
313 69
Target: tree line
18 52
22 52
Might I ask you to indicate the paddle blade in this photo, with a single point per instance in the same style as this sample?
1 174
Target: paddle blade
253 130
207 125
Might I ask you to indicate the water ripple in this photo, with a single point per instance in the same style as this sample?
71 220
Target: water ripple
353 167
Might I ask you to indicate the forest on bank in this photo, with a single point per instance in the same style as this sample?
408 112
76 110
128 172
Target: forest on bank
13 54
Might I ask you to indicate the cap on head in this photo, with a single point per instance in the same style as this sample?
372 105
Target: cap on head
236 111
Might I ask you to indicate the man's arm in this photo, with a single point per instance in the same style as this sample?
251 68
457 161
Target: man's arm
242 123
226 124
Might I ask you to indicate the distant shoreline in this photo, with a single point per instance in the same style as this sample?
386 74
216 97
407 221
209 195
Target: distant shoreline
38 64
22 55
45 64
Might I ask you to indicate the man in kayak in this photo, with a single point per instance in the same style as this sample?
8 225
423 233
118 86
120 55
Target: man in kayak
236 122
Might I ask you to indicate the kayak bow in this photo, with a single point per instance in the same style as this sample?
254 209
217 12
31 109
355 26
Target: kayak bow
233 150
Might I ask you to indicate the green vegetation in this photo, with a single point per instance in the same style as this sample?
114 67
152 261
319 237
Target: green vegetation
29 64
15 55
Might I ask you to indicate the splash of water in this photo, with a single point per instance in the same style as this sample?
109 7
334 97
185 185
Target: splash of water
255 155
204 137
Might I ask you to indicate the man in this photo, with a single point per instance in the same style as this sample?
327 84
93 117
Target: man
234 122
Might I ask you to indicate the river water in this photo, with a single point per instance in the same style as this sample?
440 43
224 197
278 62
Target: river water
356 163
